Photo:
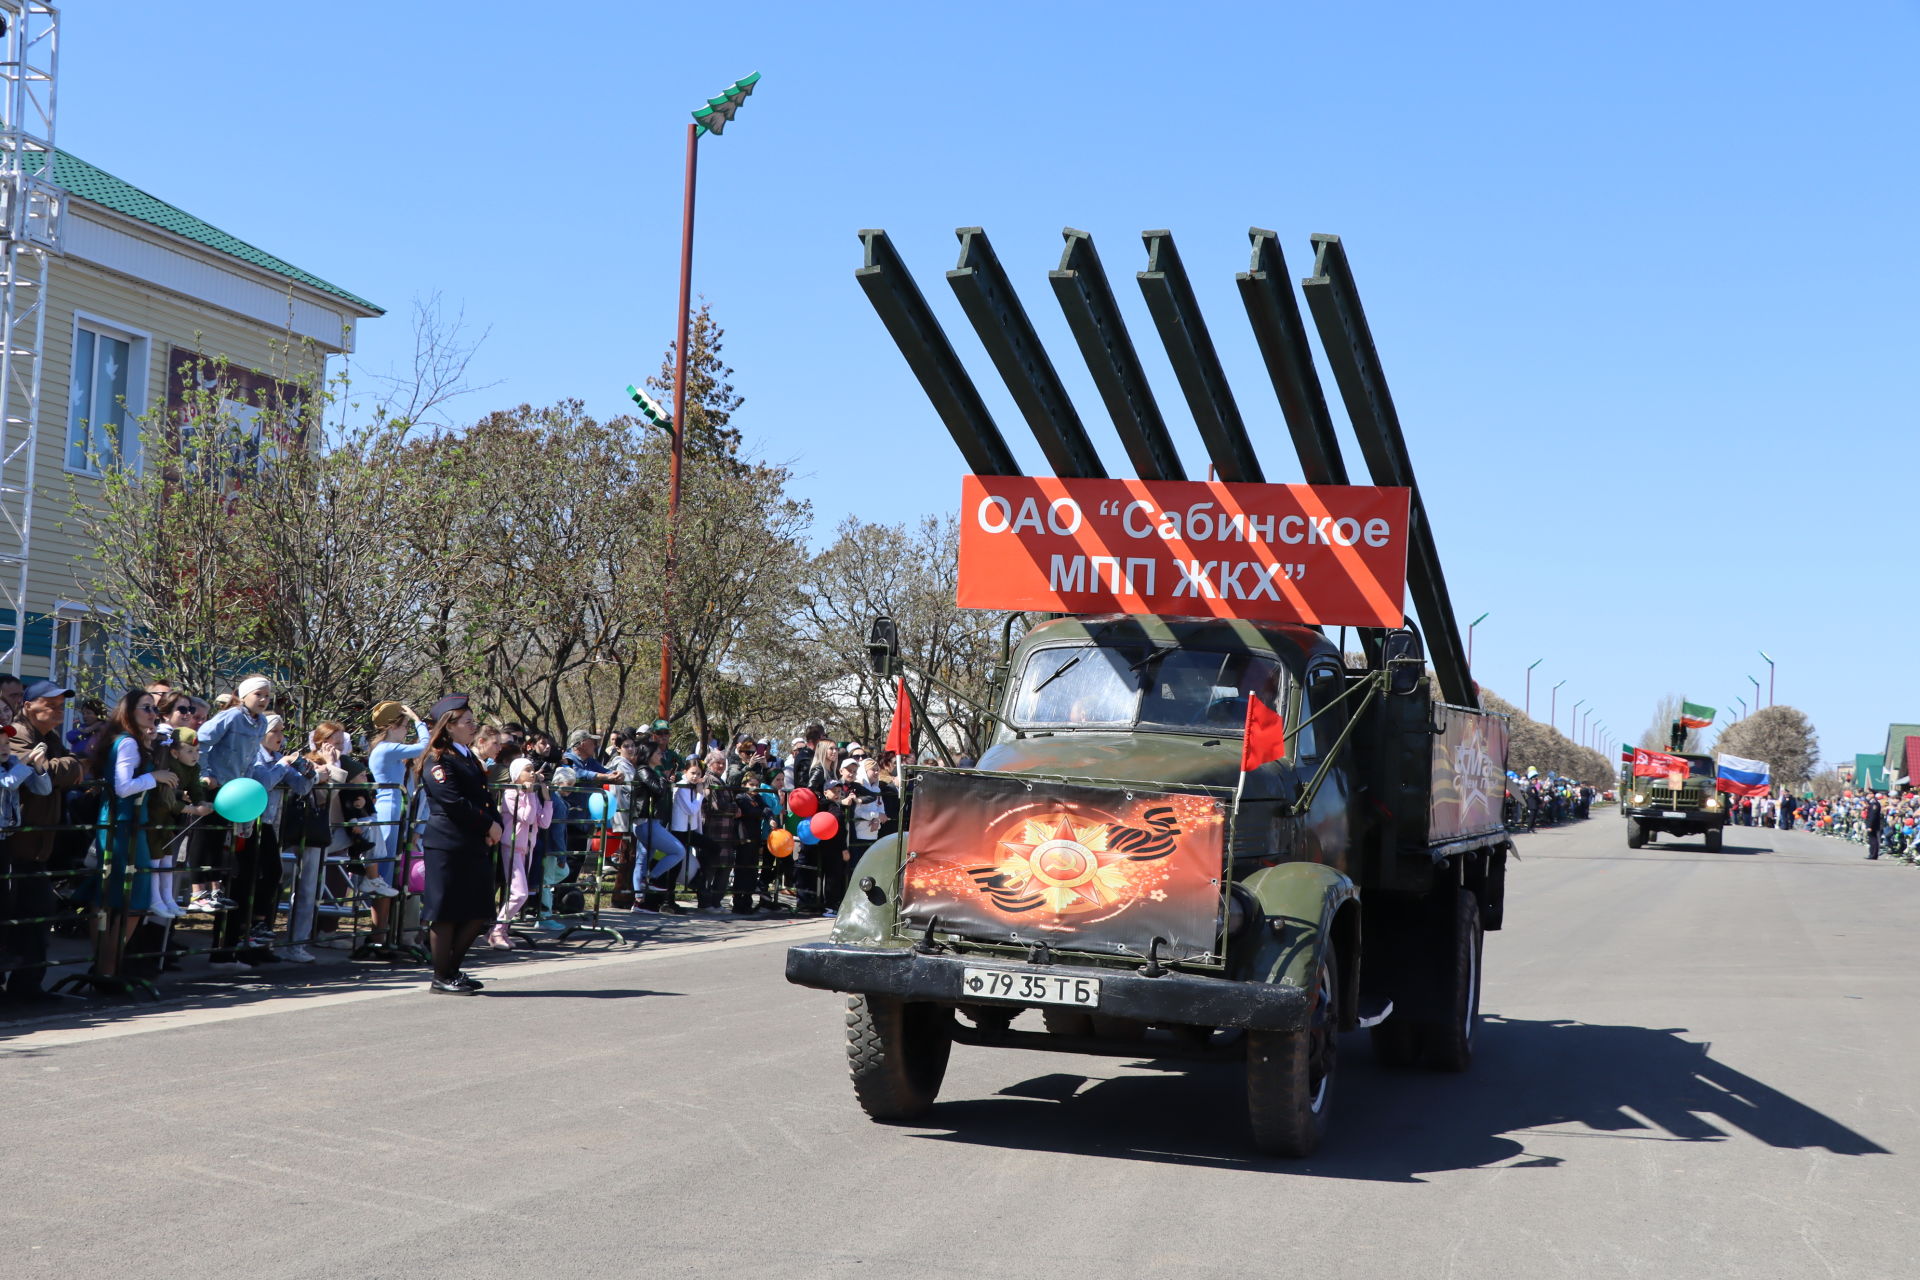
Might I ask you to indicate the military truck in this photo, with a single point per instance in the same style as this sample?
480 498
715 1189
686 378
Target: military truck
1675 804
1108 880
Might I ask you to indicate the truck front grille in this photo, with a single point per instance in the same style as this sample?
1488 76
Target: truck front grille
1668 798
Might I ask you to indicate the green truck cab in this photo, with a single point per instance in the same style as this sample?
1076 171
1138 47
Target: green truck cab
1349 885
1674 805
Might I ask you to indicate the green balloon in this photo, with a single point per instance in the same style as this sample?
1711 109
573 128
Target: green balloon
241 800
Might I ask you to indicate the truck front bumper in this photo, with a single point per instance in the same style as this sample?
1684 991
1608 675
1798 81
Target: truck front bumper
1173 999
1688 820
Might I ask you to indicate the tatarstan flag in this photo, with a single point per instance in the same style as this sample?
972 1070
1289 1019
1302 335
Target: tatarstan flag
1626 754
1695 716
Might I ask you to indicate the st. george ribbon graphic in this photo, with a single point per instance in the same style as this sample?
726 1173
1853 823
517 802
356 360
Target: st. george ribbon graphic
1020 860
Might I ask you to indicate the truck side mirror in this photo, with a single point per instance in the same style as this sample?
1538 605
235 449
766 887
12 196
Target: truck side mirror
1405 660
883 645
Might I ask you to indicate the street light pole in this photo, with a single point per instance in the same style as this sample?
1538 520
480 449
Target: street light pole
1763 654
1528 709
1553 704
711 118
1470 626
1572 716
1756 692
1743 707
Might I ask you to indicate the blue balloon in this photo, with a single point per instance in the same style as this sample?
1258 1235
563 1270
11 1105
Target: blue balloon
597 806
240 800
805 834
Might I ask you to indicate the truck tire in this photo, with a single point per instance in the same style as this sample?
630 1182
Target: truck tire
1636 834
1713 840
897 1054
1449 1045
1290 1073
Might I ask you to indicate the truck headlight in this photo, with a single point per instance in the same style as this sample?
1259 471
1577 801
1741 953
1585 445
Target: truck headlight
1639 797
1713 802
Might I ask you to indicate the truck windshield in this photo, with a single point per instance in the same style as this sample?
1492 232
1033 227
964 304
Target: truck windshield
1093 687
1699 766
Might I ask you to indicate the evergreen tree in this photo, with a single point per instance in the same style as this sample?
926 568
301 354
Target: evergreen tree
711 399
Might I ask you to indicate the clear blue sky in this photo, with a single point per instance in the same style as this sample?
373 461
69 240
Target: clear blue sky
1643 275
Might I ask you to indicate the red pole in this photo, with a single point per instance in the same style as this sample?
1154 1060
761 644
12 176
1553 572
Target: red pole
679 421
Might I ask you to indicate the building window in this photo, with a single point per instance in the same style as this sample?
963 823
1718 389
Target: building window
106 398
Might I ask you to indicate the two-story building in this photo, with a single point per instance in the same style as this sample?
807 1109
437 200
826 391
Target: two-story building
139 291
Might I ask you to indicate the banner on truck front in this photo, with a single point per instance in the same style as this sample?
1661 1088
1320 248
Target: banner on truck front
1331 555
1095 868
1658 764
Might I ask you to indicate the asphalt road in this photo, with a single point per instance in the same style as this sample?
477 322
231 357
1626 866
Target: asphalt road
1693 1064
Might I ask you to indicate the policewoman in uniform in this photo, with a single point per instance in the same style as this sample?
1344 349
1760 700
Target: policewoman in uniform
457 843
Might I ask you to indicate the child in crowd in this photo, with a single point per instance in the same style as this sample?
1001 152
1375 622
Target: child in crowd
525 811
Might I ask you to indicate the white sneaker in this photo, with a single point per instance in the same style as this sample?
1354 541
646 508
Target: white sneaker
201 905
229 966
299 955
377 886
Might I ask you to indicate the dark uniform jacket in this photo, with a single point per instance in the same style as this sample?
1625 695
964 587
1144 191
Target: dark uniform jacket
462 806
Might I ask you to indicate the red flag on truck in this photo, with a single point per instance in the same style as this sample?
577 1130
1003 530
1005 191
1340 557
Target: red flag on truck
1657 764
1266 735
900 733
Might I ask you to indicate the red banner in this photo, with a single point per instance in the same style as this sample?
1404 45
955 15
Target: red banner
1657 764
1334 555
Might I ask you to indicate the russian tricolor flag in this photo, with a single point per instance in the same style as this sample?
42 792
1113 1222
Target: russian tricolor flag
1743 777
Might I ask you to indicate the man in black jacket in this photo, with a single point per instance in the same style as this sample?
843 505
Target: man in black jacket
1875 818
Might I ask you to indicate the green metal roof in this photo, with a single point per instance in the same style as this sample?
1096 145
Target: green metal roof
102 188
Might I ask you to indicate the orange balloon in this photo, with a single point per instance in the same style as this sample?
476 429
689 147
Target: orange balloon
780 843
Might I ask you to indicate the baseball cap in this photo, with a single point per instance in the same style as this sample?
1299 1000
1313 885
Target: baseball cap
47 689
579 736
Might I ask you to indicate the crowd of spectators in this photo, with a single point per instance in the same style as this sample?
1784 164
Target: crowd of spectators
109 829
1884 824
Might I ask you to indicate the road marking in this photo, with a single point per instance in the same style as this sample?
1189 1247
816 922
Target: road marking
294 1002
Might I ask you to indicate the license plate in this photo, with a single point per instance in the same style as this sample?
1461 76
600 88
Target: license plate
1668 813
1030 988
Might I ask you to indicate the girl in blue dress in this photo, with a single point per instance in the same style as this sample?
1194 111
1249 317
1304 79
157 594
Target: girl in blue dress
122 757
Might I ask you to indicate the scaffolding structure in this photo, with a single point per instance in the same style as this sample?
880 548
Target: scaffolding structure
31 205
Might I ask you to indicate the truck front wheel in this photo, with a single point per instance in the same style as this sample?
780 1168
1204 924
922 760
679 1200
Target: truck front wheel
1636 834
897 1054
1290 1073
1713 840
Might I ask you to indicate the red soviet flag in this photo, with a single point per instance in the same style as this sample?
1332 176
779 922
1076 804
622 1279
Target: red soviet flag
1266 735
900 733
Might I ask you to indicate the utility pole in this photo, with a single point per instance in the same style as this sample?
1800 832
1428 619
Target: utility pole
1528 708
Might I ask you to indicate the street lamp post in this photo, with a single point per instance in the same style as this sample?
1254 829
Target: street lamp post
1470 626
1743 707
1553 704
711 118
1584 716
1756 692
1528 709
1573 717
1763 654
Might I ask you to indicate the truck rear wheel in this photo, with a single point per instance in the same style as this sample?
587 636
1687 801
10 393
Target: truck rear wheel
897 1054
1449 1044
1713 840
1636 834
1290 1073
